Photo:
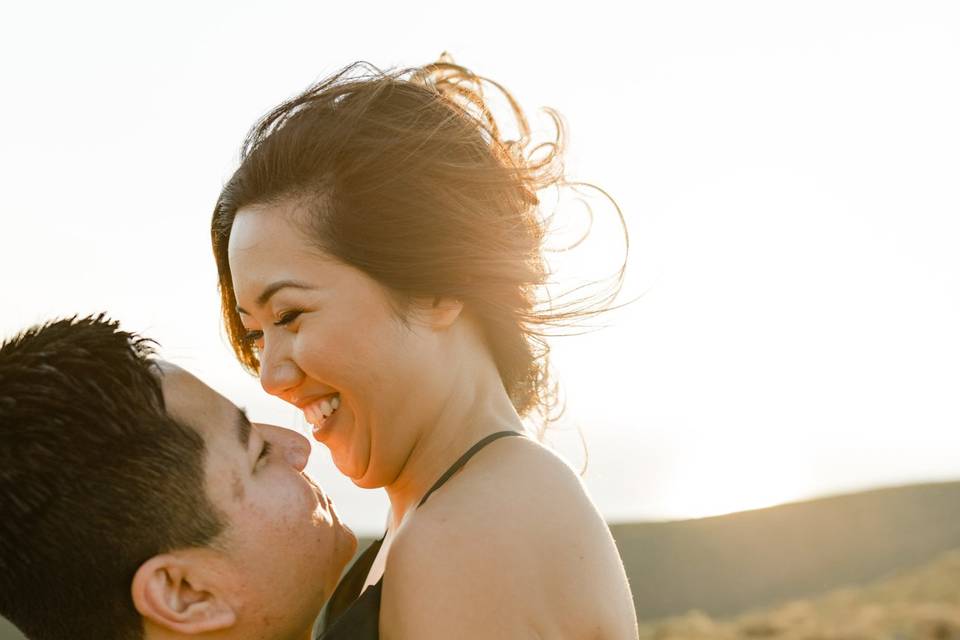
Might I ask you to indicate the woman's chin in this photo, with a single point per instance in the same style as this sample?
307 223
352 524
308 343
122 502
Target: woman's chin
359 475
365 483
350 467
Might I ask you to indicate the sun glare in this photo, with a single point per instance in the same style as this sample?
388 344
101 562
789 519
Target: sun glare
730 481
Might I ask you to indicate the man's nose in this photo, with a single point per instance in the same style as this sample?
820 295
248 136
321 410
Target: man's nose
295 448
298 451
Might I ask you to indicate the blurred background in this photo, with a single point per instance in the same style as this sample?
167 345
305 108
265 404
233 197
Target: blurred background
788 173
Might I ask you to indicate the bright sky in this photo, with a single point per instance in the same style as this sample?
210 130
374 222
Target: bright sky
789 173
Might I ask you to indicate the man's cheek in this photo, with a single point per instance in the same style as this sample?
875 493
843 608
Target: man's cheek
295 504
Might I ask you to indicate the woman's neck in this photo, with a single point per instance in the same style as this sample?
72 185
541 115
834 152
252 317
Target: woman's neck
477 406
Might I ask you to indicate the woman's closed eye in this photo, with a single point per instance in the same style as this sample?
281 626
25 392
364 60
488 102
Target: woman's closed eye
287 317
252 337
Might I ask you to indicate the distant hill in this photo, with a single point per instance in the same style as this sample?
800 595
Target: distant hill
919 604
728 564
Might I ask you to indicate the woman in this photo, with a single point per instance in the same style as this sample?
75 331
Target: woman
380 257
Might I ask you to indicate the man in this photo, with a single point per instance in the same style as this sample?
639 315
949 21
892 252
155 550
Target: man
138 503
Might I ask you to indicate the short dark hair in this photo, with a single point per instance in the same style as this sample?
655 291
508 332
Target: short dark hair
95 478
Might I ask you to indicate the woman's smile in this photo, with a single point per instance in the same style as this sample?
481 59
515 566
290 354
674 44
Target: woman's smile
319 412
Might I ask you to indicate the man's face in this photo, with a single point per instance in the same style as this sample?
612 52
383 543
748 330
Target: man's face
284 546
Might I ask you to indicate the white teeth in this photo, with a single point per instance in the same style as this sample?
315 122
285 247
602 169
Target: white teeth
312 414
318 412
326 408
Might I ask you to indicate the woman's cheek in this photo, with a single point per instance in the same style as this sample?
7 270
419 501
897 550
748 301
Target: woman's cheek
310 352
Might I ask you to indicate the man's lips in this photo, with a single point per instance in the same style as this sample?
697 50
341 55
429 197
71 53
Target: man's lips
317 491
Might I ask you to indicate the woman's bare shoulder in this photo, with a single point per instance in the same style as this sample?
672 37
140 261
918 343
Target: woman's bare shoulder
520 517
516 490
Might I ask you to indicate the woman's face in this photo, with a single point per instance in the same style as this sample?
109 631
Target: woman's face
331 343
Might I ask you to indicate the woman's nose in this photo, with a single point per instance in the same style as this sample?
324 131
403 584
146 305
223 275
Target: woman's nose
278 375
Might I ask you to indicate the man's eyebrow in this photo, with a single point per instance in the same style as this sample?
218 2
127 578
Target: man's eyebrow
243 427
267 293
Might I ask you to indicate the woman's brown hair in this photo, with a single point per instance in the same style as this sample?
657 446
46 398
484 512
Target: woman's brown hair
407 176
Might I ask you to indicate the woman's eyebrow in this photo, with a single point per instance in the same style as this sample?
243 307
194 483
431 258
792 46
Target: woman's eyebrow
267 293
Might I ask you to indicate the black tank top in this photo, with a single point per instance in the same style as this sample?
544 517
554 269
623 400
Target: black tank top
355 615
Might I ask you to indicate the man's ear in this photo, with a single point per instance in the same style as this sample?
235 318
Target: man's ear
441 312
177 592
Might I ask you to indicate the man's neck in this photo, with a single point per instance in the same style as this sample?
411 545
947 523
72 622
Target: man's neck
156 632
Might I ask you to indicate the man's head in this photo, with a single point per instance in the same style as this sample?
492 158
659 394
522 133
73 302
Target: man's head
138 502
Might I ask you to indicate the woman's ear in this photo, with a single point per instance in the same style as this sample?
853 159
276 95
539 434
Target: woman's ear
442 312
180 593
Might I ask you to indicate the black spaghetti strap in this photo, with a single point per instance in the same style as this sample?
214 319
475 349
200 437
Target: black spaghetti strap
465 458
